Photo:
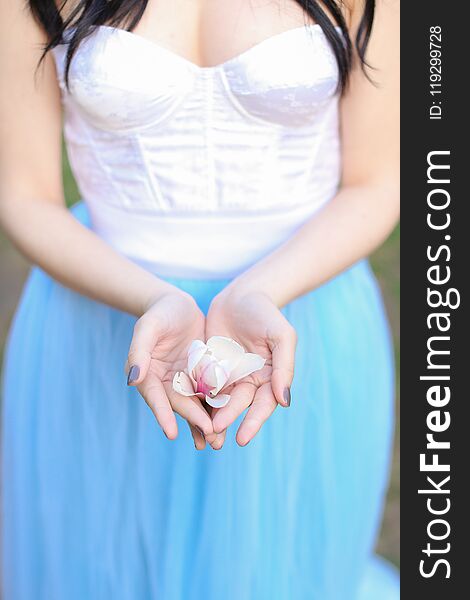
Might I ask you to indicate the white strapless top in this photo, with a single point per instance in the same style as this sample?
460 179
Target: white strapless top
200 171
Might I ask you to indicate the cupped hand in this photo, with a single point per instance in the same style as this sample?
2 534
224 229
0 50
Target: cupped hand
255 322
159 347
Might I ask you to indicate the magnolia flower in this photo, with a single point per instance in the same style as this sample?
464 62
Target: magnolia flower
213 367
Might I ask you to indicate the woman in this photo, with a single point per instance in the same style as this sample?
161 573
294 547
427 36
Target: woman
221 197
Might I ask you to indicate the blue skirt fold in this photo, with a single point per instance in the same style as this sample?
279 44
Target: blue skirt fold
99 505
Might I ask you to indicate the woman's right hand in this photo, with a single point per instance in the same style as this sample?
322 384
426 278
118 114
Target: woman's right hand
159 347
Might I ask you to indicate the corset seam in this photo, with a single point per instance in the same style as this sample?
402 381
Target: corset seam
157 195
211 216
320 138
208 82
241 109
96 156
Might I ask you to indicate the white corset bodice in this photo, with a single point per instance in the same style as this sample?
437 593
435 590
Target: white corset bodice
200 171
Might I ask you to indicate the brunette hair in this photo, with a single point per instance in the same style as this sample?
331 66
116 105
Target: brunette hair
126 14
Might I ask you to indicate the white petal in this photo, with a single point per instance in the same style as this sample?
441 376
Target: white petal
248 364
226 349
183 384
213 377
202 365
228 366
219 401
222 376
195 353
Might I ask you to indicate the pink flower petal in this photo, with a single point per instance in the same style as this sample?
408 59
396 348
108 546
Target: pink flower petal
205 371
211 378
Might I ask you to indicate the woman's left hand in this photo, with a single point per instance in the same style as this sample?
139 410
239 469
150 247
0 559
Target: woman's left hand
255 322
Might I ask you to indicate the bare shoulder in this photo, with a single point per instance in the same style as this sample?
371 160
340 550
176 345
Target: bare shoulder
354 11
22 42
21 37
30 107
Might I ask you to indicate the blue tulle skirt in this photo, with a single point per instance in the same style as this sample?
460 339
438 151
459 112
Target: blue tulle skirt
99 505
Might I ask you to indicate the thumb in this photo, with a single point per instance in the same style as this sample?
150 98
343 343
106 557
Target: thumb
283 359
144 340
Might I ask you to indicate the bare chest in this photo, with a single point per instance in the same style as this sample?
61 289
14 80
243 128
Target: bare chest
209 32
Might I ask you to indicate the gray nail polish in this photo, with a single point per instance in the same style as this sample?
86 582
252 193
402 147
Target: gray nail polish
287 398
134 373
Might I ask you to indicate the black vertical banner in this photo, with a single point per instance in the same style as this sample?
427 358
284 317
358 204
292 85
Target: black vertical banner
435 429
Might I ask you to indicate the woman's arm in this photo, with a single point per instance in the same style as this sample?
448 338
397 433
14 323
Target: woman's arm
347 229
366 207
34 216
32 207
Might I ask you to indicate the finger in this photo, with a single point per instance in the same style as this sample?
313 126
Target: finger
199 441
144 340
262 408
240 399
192 411
283 359
220 439
153 392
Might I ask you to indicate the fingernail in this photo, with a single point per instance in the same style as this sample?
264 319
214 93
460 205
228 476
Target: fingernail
287 398
134 373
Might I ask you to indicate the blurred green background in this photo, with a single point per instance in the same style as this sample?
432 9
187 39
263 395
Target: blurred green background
13 270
